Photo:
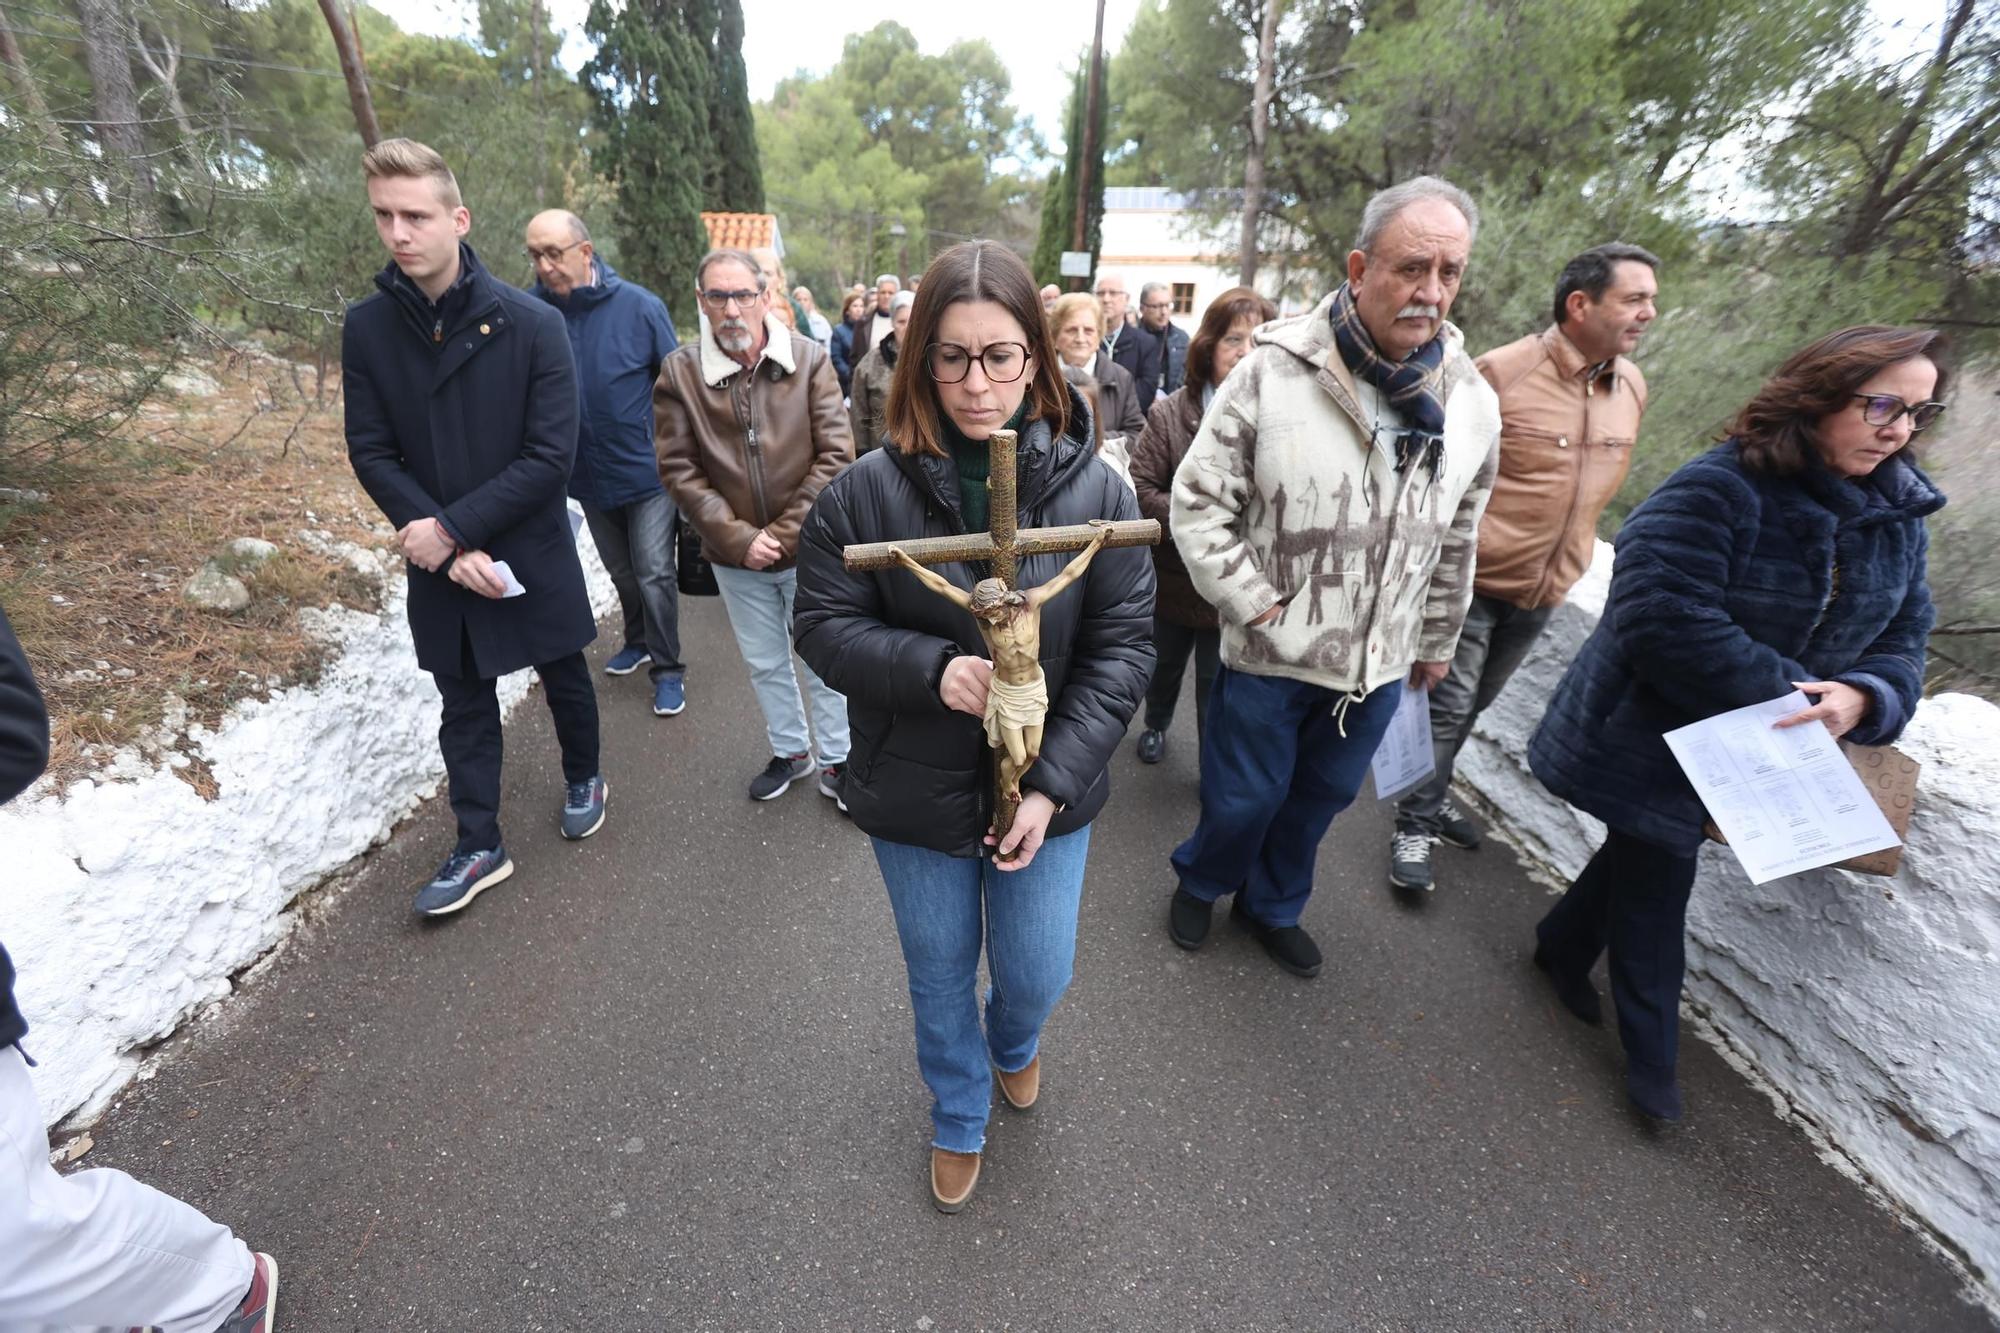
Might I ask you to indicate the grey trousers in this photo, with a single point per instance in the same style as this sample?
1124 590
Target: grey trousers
636 544
1495 640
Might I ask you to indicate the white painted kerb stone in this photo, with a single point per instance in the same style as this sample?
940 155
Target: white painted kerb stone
1872 1004
131 902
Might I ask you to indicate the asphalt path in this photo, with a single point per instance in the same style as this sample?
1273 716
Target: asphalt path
665 1079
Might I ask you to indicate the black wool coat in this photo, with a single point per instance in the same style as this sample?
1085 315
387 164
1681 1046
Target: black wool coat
917 772
466 411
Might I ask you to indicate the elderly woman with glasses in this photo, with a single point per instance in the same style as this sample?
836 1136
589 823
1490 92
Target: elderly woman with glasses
1791 556
976 359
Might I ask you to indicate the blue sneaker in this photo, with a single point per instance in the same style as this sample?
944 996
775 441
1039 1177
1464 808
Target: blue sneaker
463 877
627 660
583 808
669 695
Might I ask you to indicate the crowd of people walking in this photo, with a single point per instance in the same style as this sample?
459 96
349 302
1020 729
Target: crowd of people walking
1354 504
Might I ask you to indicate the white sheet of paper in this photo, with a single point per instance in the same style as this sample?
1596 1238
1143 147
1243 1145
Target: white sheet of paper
1786 800
1404 757
575 521
514 588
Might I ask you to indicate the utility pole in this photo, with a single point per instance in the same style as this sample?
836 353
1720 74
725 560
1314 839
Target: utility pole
1260 133
347 44
541 98
1093 90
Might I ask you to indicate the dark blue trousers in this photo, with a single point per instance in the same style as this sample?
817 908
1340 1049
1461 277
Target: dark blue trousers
1632 900
1280 760
469 735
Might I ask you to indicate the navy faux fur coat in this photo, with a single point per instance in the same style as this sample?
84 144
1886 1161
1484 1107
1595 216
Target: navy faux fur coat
1729 586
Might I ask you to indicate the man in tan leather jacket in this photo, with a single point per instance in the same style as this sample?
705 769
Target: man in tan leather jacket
1570 404
749 427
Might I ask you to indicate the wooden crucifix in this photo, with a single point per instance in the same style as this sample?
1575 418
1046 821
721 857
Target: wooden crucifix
1017 698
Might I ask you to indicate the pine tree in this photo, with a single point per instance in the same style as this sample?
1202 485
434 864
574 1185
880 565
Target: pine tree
650 79
1059 199
736 178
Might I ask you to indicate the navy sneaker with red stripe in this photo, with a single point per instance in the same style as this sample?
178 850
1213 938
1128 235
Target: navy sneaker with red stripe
260 1303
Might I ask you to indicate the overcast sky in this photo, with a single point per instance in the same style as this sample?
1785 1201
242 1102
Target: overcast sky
1038 40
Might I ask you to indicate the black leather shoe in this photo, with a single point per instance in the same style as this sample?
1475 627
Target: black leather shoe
1576 993
1653 1091
1152 746
1187 919
1289 946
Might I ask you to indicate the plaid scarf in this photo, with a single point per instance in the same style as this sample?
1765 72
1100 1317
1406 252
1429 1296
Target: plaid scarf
1414 386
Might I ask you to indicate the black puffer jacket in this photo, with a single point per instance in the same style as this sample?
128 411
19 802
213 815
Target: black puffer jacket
918 772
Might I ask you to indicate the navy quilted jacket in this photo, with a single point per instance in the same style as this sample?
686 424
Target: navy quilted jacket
1729 586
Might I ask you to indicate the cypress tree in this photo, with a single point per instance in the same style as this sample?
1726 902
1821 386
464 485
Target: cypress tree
736 178
650 83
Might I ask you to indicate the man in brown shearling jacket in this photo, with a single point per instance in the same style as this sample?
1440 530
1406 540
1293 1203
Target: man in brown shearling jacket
749 427
1570 404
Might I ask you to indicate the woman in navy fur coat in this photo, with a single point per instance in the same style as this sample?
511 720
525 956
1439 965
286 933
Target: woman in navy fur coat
1792 554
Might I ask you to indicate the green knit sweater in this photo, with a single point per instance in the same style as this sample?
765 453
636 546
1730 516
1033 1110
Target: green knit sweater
975 464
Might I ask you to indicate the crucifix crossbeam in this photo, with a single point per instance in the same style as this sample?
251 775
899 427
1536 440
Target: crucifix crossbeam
1010 622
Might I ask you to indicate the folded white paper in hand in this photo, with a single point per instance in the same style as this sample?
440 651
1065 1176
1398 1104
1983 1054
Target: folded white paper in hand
514 588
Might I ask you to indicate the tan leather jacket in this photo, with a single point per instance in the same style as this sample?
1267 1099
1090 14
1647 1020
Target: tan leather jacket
742 450
1565 445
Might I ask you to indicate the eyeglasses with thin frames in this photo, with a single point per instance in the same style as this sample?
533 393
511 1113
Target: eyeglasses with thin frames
721 300
948 363
551 254
1882 409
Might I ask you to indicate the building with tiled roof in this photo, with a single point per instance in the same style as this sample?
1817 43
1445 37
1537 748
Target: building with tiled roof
743 231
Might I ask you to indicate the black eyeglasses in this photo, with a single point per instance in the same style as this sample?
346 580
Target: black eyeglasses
949 363
721 300
549 254
1882 409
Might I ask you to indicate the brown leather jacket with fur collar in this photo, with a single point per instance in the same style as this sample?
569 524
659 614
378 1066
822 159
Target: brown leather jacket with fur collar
743 450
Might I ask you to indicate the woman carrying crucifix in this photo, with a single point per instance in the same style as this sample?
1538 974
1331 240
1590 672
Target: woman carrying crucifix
918 669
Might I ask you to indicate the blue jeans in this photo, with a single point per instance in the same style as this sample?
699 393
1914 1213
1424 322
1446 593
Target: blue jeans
1275 770
760 612
946 906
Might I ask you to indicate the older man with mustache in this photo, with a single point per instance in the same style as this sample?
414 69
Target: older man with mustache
748 425
1570 404
1328 509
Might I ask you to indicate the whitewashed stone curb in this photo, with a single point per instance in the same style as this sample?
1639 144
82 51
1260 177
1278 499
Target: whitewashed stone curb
131 902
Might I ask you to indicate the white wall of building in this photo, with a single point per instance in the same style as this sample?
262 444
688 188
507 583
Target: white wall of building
1871 1005
1150 236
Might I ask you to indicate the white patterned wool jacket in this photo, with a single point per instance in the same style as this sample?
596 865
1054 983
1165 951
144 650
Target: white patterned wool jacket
1289 497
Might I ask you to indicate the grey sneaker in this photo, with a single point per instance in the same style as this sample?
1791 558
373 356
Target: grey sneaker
832 785
463 877
1457 827
260 1304
779 774
583 807
1410 861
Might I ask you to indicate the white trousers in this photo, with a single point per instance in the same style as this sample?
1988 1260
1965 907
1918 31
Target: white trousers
97 1249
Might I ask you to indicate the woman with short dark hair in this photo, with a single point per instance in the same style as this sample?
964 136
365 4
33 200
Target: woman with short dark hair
846 336
913 665
1792 555
1183 623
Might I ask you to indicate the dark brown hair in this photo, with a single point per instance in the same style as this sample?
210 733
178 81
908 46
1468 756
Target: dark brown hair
1232 305
971 271
1773 432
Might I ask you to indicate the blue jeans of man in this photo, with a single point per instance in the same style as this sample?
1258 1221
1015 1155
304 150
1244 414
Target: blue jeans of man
759 602
636 544
946 908
1280 760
